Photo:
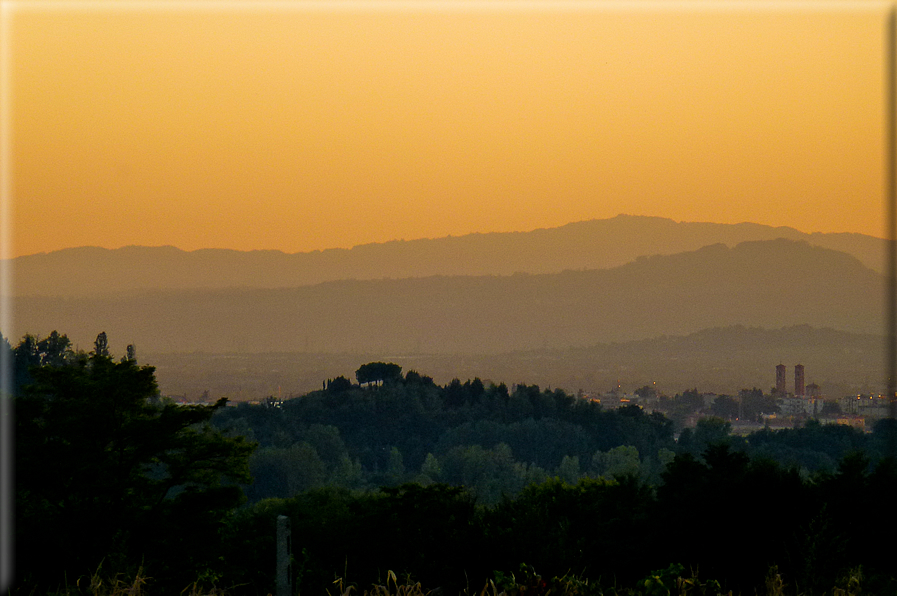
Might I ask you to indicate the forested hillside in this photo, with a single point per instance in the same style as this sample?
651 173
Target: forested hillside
409 429
495 440
453 485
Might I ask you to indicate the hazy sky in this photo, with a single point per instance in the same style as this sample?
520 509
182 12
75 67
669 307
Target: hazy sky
308 125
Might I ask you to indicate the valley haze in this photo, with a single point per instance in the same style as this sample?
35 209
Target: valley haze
528 296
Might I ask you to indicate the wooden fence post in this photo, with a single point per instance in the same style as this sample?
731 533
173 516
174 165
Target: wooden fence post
284 546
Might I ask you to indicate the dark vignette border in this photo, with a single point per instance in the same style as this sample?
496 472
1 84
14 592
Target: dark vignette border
7 504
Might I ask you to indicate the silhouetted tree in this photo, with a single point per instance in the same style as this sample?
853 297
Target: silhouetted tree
724 407
338 385
646 391
32 352
101 345
105 472
378 372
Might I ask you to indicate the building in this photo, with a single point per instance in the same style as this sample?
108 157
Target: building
780 379
796 407
870 407
799 389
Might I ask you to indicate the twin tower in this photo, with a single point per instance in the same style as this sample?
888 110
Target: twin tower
799 388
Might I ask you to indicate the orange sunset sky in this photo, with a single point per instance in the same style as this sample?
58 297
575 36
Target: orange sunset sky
308 125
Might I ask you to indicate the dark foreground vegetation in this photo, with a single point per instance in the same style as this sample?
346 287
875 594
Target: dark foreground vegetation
452 486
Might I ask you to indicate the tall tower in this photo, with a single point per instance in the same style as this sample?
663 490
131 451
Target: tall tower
780 379
799 380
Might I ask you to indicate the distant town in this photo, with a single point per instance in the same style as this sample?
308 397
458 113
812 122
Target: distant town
746 410
751 409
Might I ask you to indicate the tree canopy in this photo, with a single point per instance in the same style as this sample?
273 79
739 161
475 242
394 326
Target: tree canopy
106 471
378 372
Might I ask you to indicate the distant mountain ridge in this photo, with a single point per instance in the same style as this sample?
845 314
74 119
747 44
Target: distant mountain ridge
768 284
594 244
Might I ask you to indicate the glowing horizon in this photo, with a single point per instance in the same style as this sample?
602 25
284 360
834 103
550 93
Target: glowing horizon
407 239
308 126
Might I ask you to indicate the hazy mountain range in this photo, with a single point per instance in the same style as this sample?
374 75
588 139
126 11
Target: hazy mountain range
580 306
596 244
769 284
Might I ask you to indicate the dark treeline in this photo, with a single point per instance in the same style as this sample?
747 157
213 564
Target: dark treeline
395 428
409 429
110 477
725 516
448 485
502 477
406 428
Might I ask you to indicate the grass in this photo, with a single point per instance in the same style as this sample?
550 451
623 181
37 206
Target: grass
668 582
119 585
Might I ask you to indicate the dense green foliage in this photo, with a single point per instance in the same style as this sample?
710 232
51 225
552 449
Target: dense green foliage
451 486
558 482
732 518
496 441
107 472
411 430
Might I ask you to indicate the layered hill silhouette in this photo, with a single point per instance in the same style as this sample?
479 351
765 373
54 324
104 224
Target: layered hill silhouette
595 244
768 284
